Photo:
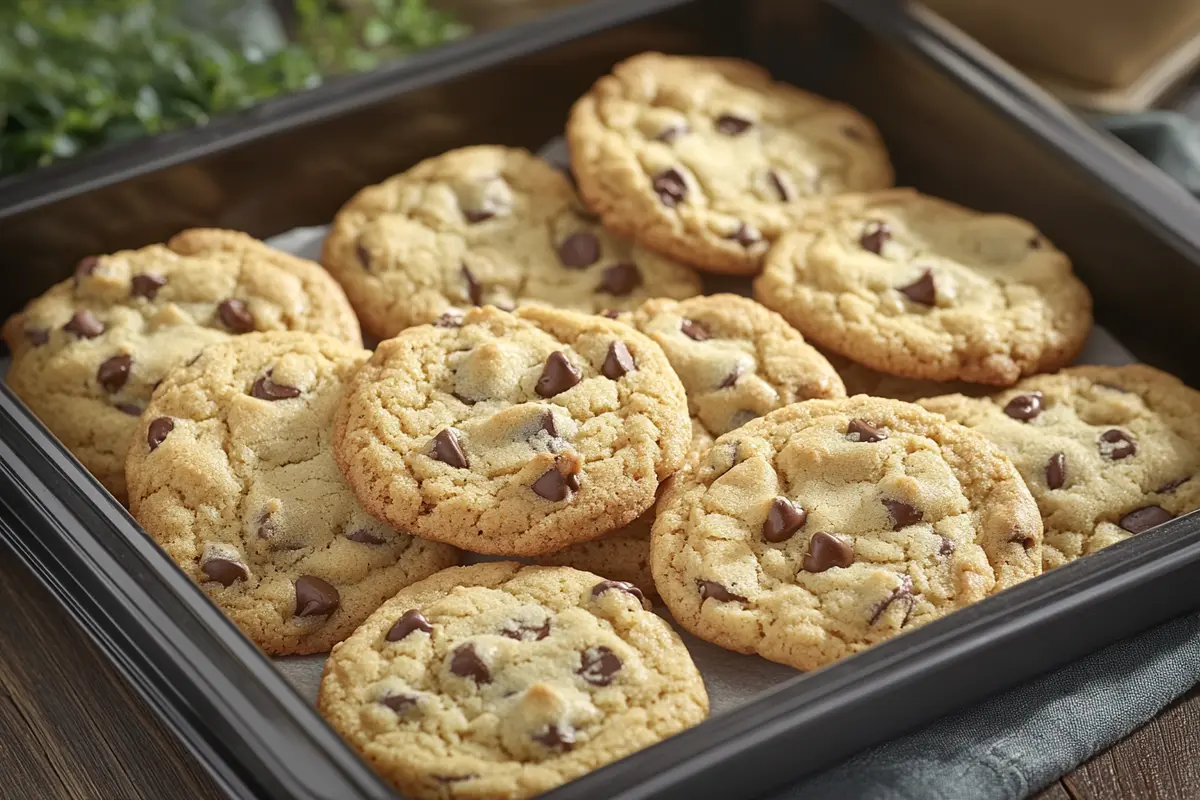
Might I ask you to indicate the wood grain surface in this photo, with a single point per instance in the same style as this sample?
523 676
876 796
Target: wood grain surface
70 729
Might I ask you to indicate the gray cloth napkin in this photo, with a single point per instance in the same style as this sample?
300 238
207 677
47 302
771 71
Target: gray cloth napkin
1020 741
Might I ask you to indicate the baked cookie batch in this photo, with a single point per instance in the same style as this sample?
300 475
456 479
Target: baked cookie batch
887 432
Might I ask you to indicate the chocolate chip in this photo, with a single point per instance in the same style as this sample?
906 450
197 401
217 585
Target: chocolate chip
672 132
235 315
474 289
716 591
267 389
732 378
620 586
466 663
783 520
86 266
826 551
618 362
450 319
224 571
1145 518
732 125
947 546
670 187
694 330
448 450
558 375
598 665
1117 444
411 620
364 256
921 290
1056 471
1025 406
611 313
476 215
1171 486
554 486
781 187
901 592
874 235
862 431
400 703
525 633
620 279
315 597
37 336
114 372
146 285
364 536
745 235
902 514
548 423
556 738
129 408
85 324
579 250
158 430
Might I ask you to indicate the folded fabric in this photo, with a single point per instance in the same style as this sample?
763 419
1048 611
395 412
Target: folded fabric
1020 741
1167 139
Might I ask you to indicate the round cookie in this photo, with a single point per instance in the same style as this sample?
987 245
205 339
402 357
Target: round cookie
831 525
485 225
736 359
232 473
1107 452
88 353
513 434
502 681
708 160
914 286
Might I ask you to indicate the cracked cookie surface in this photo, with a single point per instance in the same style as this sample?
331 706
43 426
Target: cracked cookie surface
831 525
88 353
232 473
485 225
709 160
497 681
918 287
513 433
1107 452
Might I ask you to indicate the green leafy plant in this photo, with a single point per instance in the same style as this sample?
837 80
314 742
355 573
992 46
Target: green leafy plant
80 74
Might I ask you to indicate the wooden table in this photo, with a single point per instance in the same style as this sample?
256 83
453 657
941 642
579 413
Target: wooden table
69 728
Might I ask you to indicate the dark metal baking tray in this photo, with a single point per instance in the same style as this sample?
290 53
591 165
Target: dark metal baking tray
958 123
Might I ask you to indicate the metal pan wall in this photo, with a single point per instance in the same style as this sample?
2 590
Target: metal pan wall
957 123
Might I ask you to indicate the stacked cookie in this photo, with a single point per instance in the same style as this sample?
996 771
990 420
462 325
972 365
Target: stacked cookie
553 385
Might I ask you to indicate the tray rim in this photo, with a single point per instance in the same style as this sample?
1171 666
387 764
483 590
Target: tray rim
89 529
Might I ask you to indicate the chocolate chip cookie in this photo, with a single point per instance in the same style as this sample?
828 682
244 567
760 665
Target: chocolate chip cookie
1108 452
864 380
232 473
503 682
513 434
913 286
88 353
708 160
480 226
827 526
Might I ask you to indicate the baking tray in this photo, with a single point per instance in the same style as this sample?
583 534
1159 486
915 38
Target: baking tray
958 123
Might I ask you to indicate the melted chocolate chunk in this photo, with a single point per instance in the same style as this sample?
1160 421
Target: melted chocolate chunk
732 124
1171 486
266 389
901 592
598 665
114 372
84 324
1117 444
235 315
874 236
620 586
525 633
826 551
411 620
146 285
694 330
548 424
1056 471
783 520
558 375
224 571
922 290
158 431
466 663
400 703
555 737
579 250
618 362
315 597
1145 518
716 591
554 486
670 187
448 450
1025 406
620 280
902 514
859 430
